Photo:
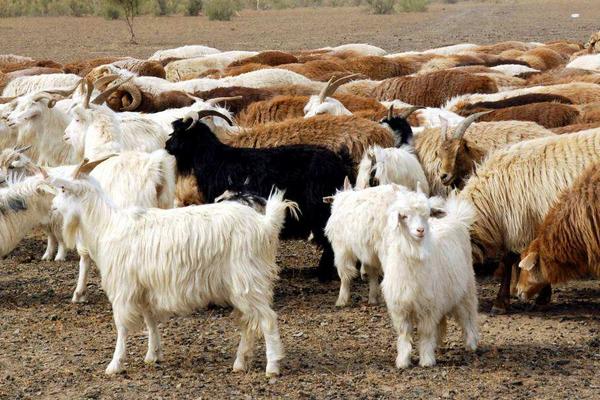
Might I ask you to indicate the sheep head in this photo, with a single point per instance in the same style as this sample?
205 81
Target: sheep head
457 157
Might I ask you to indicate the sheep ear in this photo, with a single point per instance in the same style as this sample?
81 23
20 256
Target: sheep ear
437 213
328 199
347 184
529 261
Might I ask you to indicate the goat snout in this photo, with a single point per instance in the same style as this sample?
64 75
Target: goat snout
420 232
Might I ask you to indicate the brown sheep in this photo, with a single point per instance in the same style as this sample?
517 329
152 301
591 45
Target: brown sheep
567 246
575 128
433 89
331 132
548 115
271 58
129 98
138 67
500 47
83 67
232 71
318 70
378 68
543 58
19 66
558 75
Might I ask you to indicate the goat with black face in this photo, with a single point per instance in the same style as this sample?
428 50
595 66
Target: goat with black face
307 174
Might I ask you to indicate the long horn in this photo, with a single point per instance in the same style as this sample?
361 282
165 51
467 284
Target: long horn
332 86
323 93
66 92
136 96
462 128
101 98
105 80
86 166
217 100
88 94
409 111
195 116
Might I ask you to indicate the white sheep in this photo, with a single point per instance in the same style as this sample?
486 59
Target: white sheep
37 83
588 61
155 263
189 51
428 273
193 67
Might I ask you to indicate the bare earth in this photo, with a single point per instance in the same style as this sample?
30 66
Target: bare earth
50 348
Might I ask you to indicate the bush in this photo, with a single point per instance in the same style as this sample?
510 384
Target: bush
111 12
193 7
381 6
414 5
451 1
77 8
219 10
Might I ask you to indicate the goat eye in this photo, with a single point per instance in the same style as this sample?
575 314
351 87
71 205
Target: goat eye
402 216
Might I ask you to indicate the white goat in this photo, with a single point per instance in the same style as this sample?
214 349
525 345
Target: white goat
155 263
428 273
193 67
588 61
130 179
23 206
354 230
37 83
381 166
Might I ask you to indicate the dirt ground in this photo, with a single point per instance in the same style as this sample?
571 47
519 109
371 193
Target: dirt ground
50 348
66 39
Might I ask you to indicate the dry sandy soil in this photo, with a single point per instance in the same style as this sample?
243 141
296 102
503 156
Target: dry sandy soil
66 39
50 348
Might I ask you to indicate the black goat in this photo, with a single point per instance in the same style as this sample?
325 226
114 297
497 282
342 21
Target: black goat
307 174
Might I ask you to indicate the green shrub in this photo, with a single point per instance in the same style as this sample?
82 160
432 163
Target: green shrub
78 9
381 6
219 10
414 5
451 1
111 12
193 7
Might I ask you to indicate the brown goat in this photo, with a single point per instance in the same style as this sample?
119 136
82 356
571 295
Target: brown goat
318 70
247 96
433 89
271 58
378 68
331 132
543 58
19 66
567 246
500 47
83 67
575 128
548 115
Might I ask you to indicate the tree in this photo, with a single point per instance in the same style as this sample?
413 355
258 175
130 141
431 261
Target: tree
130 7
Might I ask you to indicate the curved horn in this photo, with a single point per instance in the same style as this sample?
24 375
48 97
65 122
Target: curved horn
323 93
391 112
101 98
66 92
86 166
216 100
136 96
409 111
195 116
333 85
462 127
105 80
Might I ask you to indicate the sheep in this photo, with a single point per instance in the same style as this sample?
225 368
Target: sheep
427 273
354 230
358 48
513 190
83 67
452 49
542 58
131 98
433 89
144 287
459 153
190 68
244 96
575 128
23 206
317 70
307 173
189 51
566 246
548 115
132 65
498 48
332 132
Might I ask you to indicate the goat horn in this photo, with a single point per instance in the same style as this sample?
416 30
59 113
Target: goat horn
88 94
136 96
195 116
333 85
411 110
391 112
66 92
217 100
101 98
86 166
462 128
105 80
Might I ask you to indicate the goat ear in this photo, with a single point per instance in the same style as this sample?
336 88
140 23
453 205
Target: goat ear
46 188
328 199
347 184
437 213
529 261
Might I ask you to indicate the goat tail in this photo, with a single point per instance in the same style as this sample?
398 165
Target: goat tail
164 164
277 206
460 210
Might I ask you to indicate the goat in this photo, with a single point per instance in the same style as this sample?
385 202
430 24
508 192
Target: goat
189 51
142 287
427 273
566 246
307 173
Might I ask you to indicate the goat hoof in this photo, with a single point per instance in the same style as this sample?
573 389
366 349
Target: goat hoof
272 371
113 369
239 366
46 257
427 362
402 364
79 298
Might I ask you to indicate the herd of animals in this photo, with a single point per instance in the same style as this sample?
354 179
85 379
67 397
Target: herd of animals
177 176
